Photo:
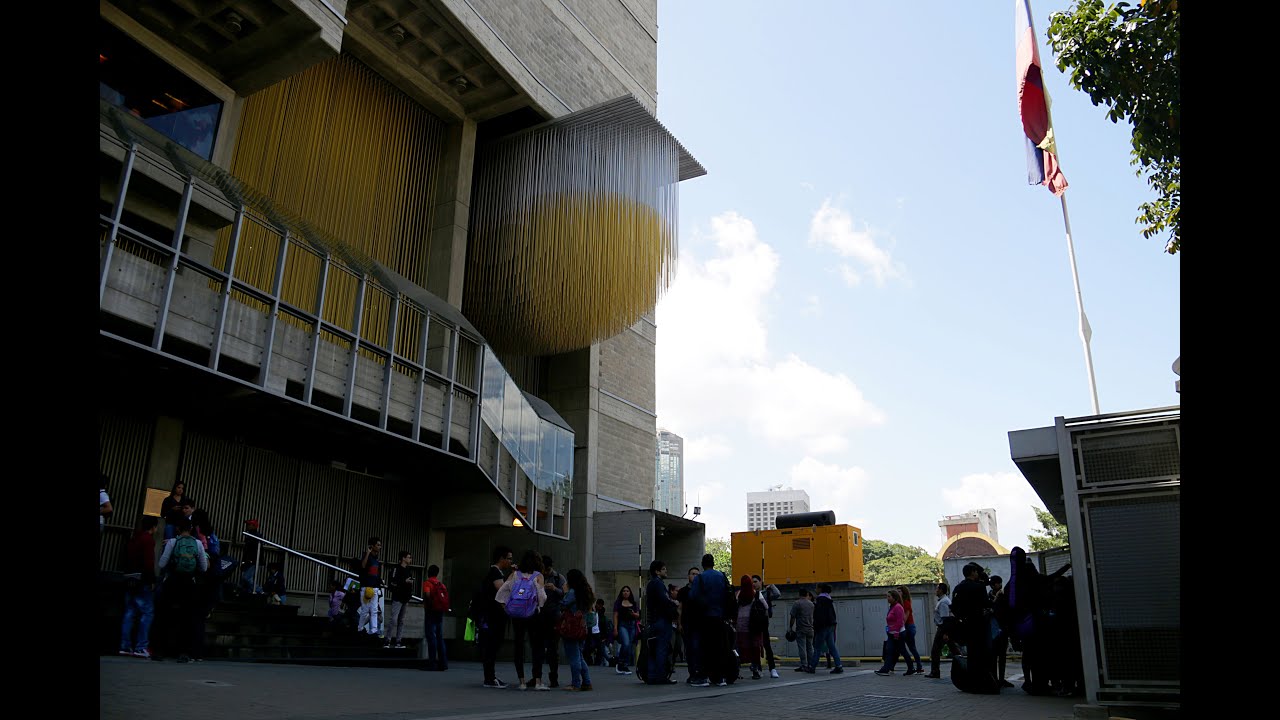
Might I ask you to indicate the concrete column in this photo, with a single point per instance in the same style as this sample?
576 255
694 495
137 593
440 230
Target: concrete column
447 257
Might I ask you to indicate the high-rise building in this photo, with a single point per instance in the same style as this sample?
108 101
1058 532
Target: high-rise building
668 489
386 269
764 507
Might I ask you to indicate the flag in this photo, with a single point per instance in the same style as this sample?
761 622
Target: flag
1033 107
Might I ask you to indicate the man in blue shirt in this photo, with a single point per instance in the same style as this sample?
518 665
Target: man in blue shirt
707 594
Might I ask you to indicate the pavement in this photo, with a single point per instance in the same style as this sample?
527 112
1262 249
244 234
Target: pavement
223 690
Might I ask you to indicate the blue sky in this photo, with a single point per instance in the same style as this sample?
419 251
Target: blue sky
869 295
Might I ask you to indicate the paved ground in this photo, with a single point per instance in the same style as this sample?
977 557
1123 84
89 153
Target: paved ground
132 688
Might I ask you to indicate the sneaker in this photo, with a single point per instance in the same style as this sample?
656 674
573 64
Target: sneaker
520 684
495 683
539 686
183 658
386 646
799 669
811 671
124 652
701 683
400 646
144 653
935 676
910 671
755 675
884 672
836 670
920 669
774 673
571 688
623 671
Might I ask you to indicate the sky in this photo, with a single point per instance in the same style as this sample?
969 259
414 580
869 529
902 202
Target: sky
869 295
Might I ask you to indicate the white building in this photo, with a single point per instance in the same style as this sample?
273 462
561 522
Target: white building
763 507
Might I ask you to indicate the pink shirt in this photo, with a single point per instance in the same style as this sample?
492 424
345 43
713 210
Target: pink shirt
895 619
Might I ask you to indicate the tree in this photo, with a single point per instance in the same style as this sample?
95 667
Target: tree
894 564
1128 58
722 552
1053 535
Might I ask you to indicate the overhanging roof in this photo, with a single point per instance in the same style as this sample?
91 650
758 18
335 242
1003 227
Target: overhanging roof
1035 452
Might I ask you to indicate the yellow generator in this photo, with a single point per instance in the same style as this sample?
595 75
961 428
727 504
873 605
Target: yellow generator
799 555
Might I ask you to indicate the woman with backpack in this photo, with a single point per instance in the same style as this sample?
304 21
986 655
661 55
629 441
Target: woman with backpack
182 560
522 596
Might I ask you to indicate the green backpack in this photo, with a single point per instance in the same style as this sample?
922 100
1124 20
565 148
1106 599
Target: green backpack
185 552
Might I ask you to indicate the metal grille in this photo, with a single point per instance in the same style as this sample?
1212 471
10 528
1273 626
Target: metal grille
801 543
211 469
124 447
1136 567
1129 457
872 705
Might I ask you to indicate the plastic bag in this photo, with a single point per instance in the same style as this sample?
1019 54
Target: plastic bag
470 633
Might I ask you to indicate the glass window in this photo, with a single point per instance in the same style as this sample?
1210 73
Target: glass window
135 80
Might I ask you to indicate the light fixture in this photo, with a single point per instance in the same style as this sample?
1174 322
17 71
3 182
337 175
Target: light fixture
515 522
231 22
460 84
697 510
397 33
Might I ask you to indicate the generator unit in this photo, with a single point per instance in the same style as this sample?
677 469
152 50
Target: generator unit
800 554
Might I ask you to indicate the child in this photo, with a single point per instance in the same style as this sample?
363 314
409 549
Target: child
274 586
336 596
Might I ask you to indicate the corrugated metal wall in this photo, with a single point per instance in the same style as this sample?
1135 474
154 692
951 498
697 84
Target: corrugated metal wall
124 451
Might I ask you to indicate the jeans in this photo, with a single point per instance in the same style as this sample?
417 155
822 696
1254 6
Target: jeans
395 621
435 640
825 639
626 652
534 628
139 605
578 674
895 647
804 644
908 645
659 650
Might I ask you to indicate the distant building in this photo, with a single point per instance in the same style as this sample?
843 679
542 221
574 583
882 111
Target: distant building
763 507
975 521
668 489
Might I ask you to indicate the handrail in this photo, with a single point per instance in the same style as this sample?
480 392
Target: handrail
257 562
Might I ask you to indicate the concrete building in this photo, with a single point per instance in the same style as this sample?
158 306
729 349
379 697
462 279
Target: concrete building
764 507
668 489
975 521
387 268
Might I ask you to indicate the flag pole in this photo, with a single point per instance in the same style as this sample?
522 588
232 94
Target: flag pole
1086 332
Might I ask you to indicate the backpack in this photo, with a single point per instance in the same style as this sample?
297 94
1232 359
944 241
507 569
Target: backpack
438 594
185 551
523 602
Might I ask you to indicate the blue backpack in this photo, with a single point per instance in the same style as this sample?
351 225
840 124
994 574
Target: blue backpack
523 602
185 552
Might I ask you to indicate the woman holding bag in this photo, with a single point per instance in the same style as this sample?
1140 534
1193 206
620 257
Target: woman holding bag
579 599
895 627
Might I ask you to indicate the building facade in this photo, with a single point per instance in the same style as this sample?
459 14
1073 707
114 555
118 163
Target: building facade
385 269
668 489
764 507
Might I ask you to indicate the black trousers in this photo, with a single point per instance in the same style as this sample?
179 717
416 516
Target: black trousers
491 633
935 653
714 649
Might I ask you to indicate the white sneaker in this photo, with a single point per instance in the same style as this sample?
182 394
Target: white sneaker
773 673
540 686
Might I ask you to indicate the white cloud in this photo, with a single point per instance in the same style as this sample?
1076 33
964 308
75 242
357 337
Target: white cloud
831 487
834 228
708 447
1007 492
806 185
812 306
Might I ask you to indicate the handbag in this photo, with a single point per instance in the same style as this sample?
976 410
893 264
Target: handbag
469 634
571 624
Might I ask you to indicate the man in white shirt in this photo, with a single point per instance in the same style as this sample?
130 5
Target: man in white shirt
944 629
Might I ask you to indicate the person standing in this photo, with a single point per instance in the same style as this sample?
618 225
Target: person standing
824 628
489 616
435 599
973 610
751 614
140 583
522 596
372 616
580 597
709 593
182 560
687 626
768 593
171 508
908 639
801 621
944 630
1000 610
249 562
555 586
661 611
401 583
104 502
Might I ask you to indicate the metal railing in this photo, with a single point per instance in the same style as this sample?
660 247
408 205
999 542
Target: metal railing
257 562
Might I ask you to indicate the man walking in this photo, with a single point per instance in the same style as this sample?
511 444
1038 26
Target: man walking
661 609
824 628
944 632
436 601
801 622
401 583
490 616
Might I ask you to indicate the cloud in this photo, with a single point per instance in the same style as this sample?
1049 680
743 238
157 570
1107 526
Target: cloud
806 185
831 487
834 228
812 306
714 371
1007 492
707 447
